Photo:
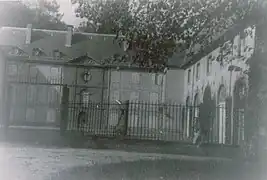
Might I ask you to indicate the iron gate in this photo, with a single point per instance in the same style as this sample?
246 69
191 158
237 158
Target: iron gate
35 90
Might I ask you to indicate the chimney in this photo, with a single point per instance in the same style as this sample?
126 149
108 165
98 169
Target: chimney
69 36
28 34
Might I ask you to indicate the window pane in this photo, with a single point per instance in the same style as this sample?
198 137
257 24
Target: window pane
198 69
30 114
135 77
134 96
154 97
189 76
115 96
12 69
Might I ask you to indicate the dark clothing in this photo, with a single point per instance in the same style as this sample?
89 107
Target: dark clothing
204 117
204 121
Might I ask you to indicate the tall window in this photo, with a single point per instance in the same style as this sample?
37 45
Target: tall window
157 79
33 73
12 69
153 97
134 96
198 71
136 78
31 94
85 97
209 62
189 76
115 95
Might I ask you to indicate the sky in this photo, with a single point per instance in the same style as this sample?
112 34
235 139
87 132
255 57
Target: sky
65 7
68 9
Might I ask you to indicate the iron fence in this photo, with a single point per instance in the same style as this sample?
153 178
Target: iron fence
153 121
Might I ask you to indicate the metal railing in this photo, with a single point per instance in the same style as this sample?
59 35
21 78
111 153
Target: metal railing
154 121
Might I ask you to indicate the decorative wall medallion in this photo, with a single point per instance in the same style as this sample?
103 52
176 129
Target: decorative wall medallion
86 76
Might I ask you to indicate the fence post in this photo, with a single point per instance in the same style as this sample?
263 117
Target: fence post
64 110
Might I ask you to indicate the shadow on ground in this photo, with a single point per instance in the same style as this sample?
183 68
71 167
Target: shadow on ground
52 139
159 169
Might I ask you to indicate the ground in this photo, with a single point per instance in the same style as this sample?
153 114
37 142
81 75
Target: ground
40 163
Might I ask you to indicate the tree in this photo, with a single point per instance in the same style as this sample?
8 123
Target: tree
18 14
102 16
155 30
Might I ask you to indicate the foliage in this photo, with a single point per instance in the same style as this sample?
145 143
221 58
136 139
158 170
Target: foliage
155 30
18 14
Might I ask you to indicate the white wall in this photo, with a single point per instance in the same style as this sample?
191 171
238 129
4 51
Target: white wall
174 89
220 75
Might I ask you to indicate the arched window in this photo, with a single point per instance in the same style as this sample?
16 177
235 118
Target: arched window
85 97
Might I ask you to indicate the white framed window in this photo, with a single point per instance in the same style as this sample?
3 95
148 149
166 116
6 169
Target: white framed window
52 95
153 97
31 93
51 116
85 96
115 95
12 69
209 63
30 114
157 79
189 76
136 78
134 96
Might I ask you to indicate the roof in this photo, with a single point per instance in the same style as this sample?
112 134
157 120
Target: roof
96 46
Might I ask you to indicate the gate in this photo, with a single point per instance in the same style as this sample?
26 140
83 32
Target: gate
38 92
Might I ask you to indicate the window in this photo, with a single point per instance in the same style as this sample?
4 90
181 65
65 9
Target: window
12 69
52 95
30 114
134 96
115 96
198 71
189 76
54 74
33 72
209 63
57 54
135 77
51 116
31 94
153 97
85 96
157 79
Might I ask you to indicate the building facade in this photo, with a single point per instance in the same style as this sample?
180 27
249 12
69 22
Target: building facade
219 80
40 63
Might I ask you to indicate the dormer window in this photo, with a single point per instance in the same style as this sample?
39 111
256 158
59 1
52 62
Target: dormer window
37 52
56 54
16 51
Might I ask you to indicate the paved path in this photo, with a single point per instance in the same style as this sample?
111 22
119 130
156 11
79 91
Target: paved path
35 163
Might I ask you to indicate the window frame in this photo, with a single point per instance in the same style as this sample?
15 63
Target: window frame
189 71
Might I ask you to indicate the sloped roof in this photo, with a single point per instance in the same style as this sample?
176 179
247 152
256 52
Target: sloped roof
97 46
